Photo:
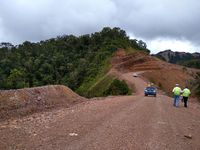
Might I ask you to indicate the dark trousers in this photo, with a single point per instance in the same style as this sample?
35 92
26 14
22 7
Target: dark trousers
185 99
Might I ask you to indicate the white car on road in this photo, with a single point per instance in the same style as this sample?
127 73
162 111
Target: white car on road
135 75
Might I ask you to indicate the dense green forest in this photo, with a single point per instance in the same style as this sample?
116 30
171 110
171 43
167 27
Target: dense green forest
76 62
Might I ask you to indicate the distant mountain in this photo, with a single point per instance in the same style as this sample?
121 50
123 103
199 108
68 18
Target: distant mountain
175 57
181 58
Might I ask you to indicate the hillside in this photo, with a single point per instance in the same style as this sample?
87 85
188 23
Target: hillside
182 58
164 75
76 62
22 102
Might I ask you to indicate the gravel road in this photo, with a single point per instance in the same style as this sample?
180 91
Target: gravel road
111 123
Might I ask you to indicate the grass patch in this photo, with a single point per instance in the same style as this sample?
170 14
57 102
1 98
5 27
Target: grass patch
91 82
109 85
130 50
100 87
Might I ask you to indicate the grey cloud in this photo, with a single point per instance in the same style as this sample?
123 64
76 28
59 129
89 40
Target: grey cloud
36 20
155 18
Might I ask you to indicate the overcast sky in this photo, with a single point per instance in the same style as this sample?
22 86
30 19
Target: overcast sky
162 24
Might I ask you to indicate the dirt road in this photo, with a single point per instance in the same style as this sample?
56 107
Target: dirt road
112 123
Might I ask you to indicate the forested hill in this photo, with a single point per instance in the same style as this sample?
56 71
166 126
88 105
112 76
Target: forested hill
68 60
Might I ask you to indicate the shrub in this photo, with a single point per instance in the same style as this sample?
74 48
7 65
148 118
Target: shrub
117 87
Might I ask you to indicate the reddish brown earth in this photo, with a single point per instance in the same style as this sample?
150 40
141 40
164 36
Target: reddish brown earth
162 74
120 122
17 103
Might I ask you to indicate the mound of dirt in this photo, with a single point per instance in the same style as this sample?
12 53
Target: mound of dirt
16 103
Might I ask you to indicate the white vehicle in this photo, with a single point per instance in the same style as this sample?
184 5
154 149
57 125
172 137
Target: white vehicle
135 75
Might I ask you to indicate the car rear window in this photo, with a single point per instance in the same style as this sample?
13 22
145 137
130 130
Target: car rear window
151 88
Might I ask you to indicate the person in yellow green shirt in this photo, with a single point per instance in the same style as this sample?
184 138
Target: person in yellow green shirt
186 93
177 92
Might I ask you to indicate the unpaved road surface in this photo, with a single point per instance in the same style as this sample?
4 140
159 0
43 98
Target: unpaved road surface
112 123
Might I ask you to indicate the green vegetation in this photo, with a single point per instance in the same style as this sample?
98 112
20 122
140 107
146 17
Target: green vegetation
197 84
118 87
131 50
108 85
94 87
77 62
99 88
194 63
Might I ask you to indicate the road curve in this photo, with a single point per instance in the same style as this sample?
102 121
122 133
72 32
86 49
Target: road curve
114 123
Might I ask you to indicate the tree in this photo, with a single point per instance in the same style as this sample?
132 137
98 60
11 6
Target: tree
67 59
16 79
142 44
117 87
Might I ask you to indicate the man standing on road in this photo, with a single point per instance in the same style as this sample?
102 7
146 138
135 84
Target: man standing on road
186 93
177 92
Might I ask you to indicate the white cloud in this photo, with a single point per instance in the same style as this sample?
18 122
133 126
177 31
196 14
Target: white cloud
175 45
